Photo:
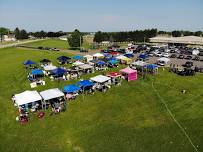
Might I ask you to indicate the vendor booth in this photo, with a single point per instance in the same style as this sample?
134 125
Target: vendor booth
77 63
35 74
115 78
123 59
71 91
27 97
55 98
152 68
98 56
58 73
129 74
25 101
88 58
77 57
29 64
101 82
63 59
112 63
100 65
86 86
86 68
45 62
138 65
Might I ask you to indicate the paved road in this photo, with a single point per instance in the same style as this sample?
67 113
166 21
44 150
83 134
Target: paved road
19 43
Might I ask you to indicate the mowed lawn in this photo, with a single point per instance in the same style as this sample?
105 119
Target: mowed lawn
51 43
127 118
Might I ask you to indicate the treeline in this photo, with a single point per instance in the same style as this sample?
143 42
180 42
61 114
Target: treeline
136 36
139 35
20 34
43 34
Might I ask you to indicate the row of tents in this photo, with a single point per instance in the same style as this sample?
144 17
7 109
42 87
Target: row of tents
100 82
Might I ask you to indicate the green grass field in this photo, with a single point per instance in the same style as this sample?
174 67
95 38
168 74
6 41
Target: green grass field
52 43
127 118
56 43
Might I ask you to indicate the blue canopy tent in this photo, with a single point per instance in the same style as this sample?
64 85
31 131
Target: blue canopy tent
143 56
113 61
151 66
129 55
85 83
58 71
101 63
112 58
28 62
63 59
107 55
71 88
37 72
77 57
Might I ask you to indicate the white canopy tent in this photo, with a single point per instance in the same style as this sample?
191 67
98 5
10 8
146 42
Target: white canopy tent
85 66
100 79
121 57
51 94
27 97
139 63
49 67
98 55
88 57
77 63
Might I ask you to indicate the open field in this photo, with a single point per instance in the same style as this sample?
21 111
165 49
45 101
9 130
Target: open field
127 118
51 43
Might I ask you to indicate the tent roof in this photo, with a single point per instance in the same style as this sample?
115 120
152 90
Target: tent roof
129 55
58 71
85 66
121 57
88 56
49 67
98 55
85 83
51 94
77 57
113 74
139 63
28 62
128 70
113 61
63 58
77 63
151 66
27 97
71 88
100 79
36 72
101 62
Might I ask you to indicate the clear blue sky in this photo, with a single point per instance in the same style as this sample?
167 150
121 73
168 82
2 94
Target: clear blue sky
104 15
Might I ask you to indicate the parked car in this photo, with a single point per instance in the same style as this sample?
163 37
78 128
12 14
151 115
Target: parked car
159 54
188 64
181 56
166 55
83 50
172 51
173 56
197 58
188 57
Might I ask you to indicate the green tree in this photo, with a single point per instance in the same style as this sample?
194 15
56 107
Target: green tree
176 33
3 31
17 33
75 39
23 34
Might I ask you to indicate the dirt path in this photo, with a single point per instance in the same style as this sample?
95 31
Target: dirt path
19 43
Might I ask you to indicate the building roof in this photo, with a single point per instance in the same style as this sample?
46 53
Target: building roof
182 40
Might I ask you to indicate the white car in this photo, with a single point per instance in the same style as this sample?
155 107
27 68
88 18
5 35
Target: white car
159 54
166 55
